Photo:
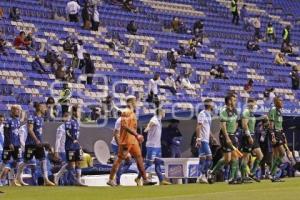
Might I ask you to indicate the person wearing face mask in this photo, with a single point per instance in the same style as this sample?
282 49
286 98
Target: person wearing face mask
250 143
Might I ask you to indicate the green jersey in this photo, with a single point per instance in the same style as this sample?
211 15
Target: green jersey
247 114
230 117
275 116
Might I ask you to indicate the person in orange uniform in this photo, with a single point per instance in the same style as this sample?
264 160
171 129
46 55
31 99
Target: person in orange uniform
129 142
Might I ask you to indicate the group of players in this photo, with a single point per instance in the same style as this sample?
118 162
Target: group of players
126 143
15 158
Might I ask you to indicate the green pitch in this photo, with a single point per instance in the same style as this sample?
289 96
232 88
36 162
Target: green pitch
289 190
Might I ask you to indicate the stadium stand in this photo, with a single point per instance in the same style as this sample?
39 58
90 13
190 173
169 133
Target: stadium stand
223 44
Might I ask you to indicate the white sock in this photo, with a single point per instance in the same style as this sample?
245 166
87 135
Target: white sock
44 169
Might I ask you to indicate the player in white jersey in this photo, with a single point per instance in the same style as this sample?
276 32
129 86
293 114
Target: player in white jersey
153 146
203 136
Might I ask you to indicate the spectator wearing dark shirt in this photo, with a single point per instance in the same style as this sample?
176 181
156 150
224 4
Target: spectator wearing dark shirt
20 42
198 31
38 66
89 68
15 14
286 48
172 59
29 38
252 45
2 45
178 26
86 16
249 86
69 45
295 79
132 28
128 5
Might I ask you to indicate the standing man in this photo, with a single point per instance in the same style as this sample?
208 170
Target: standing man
235 12
129 142
279 142
12 144
153 146
250 143
34 143
228 140
203 135
286 34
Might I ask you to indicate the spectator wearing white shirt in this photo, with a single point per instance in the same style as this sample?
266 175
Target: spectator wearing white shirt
1 136
79 53
257 25
72 10
186 83
153 89
170 84
95 19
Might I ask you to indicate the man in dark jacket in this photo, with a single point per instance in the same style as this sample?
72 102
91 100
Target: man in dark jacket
132 27
38 66
89 68
295 79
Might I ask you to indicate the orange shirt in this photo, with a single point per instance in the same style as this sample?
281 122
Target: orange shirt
129 120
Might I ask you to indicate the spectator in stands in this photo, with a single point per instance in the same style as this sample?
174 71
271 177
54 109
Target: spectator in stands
95 18
270 33
86 16
253 45
128 5
154 83
249 86
198 31
269 95
51 57
295 79
257 25
286 35
20 42
186 83
72 10
15 14
65 98
281 60
132 27
214 71
29 38
235 12
172 58
79 53
60 73
69 45
96 113
38 66
178 25
221 73
52 109
170 84
89 68
2 45
107 109
1 13
286 48
178 81
245 18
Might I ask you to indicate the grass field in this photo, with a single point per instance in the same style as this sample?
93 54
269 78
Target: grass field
289 190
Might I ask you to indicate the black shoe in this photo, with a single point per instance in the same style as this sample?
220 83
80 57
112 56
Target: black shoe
246 180
148 182
254 178
233 182
211 177
276 180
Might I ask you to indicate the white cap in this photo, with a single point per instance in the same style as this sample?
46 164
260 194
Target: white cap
130 97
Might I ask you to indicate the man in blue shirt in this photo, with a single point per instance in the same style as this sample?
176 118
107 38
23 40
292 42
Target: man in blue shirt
34 143
12 145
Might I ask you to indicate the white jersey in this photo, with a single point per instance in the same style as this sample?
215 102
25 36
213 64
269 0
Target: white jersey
72 8
204 118
23 132
118 128
1 137
154 133
60 139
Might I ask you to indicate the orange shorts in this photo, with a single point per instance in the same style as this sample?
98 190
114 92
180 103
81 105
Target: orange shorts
133 149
